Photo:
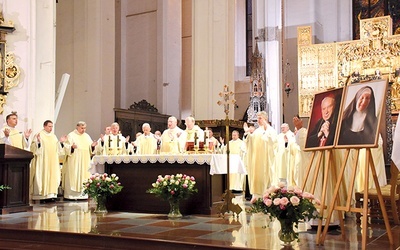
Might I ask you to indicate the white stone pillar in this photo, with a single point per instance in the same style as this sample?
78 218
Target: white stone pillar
213 56
267 21
169 61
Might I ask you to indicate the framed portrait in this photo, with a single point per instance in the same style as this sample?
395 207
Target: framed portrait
360 119
322 126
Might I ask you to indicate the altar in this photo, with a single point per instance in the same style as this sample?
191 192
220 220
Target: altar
138 172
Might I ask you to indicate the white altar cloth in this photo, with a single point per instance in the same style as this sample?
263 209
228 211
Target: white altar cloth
217 162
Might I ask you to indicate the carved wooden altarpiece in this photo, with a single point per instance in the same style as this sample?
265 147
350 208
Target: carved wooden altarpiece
328 65
9 71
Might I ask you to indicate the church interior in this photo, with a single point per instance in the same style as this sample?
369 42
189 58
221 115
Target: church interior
221 62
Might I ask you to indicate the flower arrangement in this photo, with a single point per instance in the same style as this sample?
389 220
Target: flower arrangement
102 185
173 187
289 205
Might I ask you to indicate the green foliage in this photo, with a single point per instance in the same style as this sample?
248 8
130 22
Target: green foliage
173 187
4 187
102 185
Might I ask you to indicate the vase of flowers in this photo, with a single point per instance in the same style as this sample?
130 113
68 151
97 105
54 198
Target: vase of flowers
287 233
100 187
288 205
174 188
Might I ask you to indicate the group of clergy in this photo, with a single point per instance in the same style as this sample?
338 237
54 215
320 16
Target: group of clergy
269 157
77 148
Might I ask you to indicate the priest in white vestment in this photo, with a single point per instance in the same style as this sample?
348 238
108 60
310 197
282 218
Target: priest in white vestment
236 181
10 135
45 173
261 149
193 133
114 143
250 130
171 139
78 149
147 142
99 150
99 168
300 160
283 172
213 144
133 145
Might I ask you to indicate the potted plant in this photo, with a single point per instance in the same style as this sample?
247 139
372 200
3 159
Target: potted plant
100 187
289 205
174 188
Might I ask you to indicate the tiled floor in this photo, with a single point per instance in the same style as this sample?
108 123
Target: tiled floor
250 231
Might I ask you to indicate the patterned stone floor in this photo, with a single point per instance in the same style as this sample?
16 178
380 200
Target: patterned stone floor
250 231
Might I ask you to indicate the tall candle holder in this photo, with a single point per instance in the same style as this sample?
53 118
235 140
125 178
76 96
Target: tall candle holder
228 195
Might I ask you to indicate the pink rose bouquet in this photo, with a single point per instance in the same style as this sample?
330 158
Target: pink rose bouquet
287 203
173 187
102 185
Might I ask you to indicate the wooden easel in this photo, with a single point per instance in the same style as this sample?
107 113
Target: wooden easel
329 168
364 210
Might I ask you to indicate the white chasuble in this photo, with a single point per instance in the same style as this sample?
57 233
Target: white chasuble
45 171
236 181
77 164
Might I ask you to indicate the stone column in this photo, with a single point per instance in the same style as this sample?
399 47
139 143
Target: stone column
267 22
169 61
213 56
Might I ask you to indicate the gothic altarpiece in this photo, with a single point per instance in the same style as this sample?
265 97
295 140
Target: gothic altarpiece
327 66
258 99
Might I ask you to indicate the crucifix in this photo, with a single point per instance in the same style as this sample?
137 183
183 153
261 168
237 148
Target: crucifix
227 196
109 141
118 141
195 139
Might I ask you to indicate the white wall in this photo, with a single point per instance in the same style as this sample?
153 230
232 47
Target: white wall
33 46
86 51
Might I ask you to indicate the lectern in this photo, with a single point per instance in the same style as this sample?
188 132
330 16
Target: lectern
14 172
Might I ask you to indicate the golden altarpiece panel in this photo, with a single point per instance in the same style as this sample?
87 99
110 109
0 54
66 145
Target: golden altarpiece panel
9 71
326 66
